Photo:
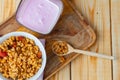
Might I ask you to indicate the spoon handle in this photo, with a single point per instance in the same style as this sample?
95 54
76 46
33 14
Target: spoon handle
93 54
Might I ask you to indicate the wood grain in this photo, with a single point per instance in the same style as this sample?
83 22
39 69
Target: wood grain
71 28
7 9
97 14
115 23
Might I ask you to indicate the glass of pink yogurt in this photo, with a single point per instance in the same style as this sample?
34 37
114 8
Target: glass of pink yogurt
39 15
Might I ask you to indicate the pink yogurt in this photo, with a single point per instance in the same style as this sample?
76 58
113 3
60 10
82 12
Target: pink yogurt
39 15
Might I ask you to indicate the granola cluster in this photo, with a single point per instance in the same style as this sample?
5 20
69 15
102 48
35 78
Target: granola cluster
60 47
20 58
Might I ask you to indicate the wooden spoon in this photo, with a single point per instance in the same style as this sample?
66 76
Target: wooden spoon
71 50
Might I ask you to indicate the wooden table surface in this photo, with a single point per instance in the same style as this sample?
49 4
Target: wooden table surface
104 17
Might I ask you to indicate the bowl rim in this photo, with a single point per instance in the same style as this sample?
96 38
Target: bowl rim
37 42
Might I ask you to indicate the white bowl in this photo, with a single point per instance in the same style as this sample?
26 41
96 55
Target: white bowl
37 42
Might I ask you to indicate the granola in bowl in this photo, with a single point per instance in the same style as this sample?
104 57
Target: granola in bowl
20 58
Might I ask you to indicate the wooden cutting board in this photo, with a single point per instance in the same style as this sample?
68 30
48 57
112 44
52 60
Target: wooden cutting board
71 27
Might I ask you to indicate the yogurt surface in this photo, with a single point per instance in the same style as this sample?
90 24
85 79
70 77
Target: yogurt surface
39 15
